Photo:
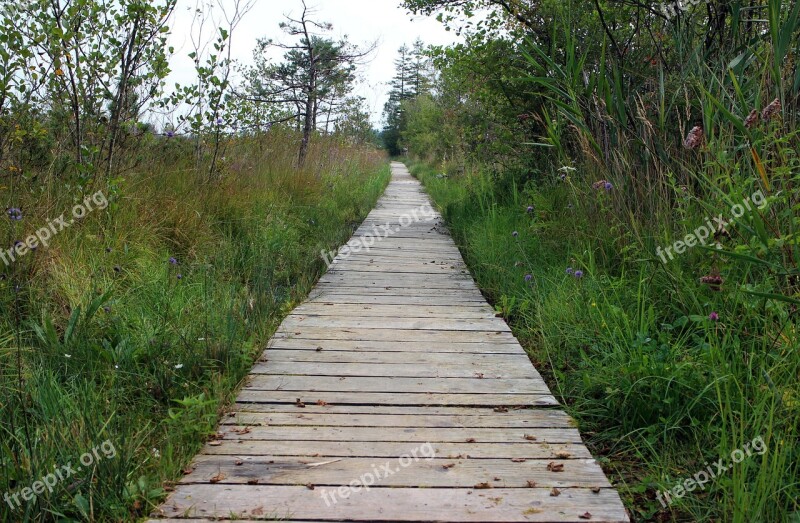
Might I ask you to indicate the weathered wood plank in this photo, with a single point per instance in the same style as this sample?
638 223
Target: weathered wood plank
393 398
389 384
395 504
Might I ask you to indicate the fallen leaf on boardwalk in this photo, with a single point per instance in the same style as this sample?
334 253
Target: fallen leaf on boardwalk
471 440
498 479
319 349
585 515
596 490
239 463
555 492
479 375
169 488
310 486
483 485
215 443
563 454
252 481
501 409
518 460
529 437
322 403
216 479
531 483
258 511
187 471
300 404
555 467
448 466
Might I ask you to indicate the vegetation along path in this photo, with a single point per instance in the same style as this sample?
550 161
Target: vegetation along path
395 394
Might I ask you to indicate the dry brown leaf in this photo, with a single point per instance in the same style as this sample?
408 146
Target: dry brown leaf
530 438
531 483
484 485
555 492
555 467
518 460
448 466
585 515
563 454
216 479
471 440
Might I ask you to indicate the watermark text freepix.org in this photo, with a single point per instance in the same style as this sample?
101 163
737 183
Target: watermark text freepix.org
379 233
105 450
700 235
42 236
368 479
713 471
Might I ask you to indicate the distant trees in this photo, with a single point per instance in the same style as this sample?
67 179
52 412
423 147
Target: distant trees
90 65
413 78
314 80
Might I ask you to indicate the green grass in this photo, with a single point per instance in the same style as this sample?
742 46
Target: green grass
105 340
659 388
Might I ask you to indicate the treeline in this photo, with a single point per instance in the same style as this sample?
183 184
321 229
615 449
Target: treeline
623 178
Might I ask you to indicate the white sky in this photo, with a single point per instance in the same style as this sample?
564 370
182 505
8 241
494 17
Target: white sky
362 21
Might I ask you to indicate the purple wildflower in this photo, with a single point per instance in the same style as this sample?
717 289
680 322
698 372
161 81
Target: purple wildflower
515 234
579 274
14 214
173 261
180 276
714 316
170 134
608 186
528 277
530 208
570 270
219 121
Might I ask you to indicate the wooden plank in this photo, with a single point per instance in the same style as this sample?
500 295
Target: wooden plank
393 398
396 385
407 435
420 359
393 449
395 504
463 369
396 324
425 472
374 346
392 335
519 419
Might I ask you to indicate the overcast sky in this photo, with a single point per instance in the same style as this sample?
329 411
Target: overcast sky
362 21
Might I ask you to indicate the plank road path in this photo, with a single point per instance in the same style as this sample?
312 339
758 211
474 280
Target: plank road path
396 358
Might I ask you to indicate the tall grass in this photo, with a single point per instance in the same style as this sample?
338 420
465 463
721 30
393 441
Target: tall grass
136 325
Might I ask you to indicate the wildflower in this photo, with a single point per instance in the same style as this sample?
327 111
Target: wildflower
695 138
179 366
599 184
570 270
714 316
117 269
180 276
528 277
170 134
156 453
173 261
515 234
68 356
530 209
579 274
14 214
608 186
219 121
752 119
771 110
562 176
107 309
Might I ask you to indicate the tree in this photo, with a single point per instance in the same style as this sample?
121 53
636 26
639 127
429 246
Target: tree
316 75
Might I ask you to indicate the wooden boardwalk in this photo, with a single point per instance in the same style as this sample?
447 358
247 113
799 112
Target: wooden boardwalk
395 394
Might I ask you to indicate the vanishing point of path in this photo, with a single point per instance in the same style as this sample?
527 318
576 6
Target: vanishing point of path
395 394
